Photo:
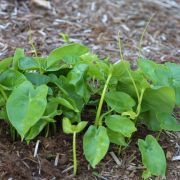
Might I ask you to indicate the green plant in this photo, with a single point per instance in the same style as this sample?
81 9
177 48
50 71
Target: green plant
35 90
68 128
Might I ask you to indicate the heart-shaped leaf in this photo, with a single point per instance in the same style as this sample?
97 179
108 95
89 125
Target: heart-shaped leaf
26 105
95 144
153 157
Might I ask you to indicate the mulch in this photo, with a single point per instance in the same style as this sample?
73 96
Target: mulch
95 24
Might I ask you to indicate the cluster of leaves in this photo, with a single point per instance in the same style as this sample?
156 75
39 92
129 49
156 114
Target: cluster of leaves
35 90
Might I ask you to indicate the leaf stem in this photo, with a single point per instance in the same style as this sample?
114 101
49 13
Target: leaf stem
103 115
3 93
142 36
122 58
97 121
74 154
47 131
138 110
158 136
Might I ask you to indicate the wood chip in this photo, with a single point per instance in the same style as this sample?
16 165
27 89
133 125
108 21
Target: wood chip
36 148
176 158
42 3
118 162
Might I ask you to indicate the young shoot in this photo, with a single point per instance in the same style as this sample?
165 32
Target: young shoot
68 128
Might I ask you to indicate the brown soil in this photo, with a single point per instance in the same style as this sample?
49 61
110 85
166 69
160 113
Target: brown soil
96 24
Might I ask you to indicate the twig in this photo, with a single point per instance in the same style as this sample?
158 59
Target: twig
56 159
36 148
118 162
67 169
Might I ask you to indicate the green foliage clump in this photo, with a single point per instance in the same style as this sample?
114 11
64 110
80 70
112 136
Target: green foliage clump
35 90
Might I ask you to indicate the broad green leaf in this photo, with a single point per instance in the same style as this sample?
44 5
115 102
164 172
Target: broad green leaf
77 78
11 78
19 53
26 105
168 122
148 67
28 63
68 128
160 100
37 79
69 54
153 157
5 64
95 144
116 138
120 124
163 75
32 63
175 70
175 81
119 101
120 69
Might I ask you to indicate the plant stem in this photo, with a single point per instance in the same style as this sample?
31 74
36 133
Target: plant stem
142 36
103 115
74 154
47 131
97 121
129 73
134 84
158 136
3 93
138 110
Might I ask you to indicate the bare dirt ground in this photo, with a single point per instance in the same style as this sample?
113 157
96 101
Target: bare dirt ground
96 24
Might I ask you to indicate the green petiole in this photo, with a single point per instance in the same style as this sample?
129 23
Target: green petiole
98 121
